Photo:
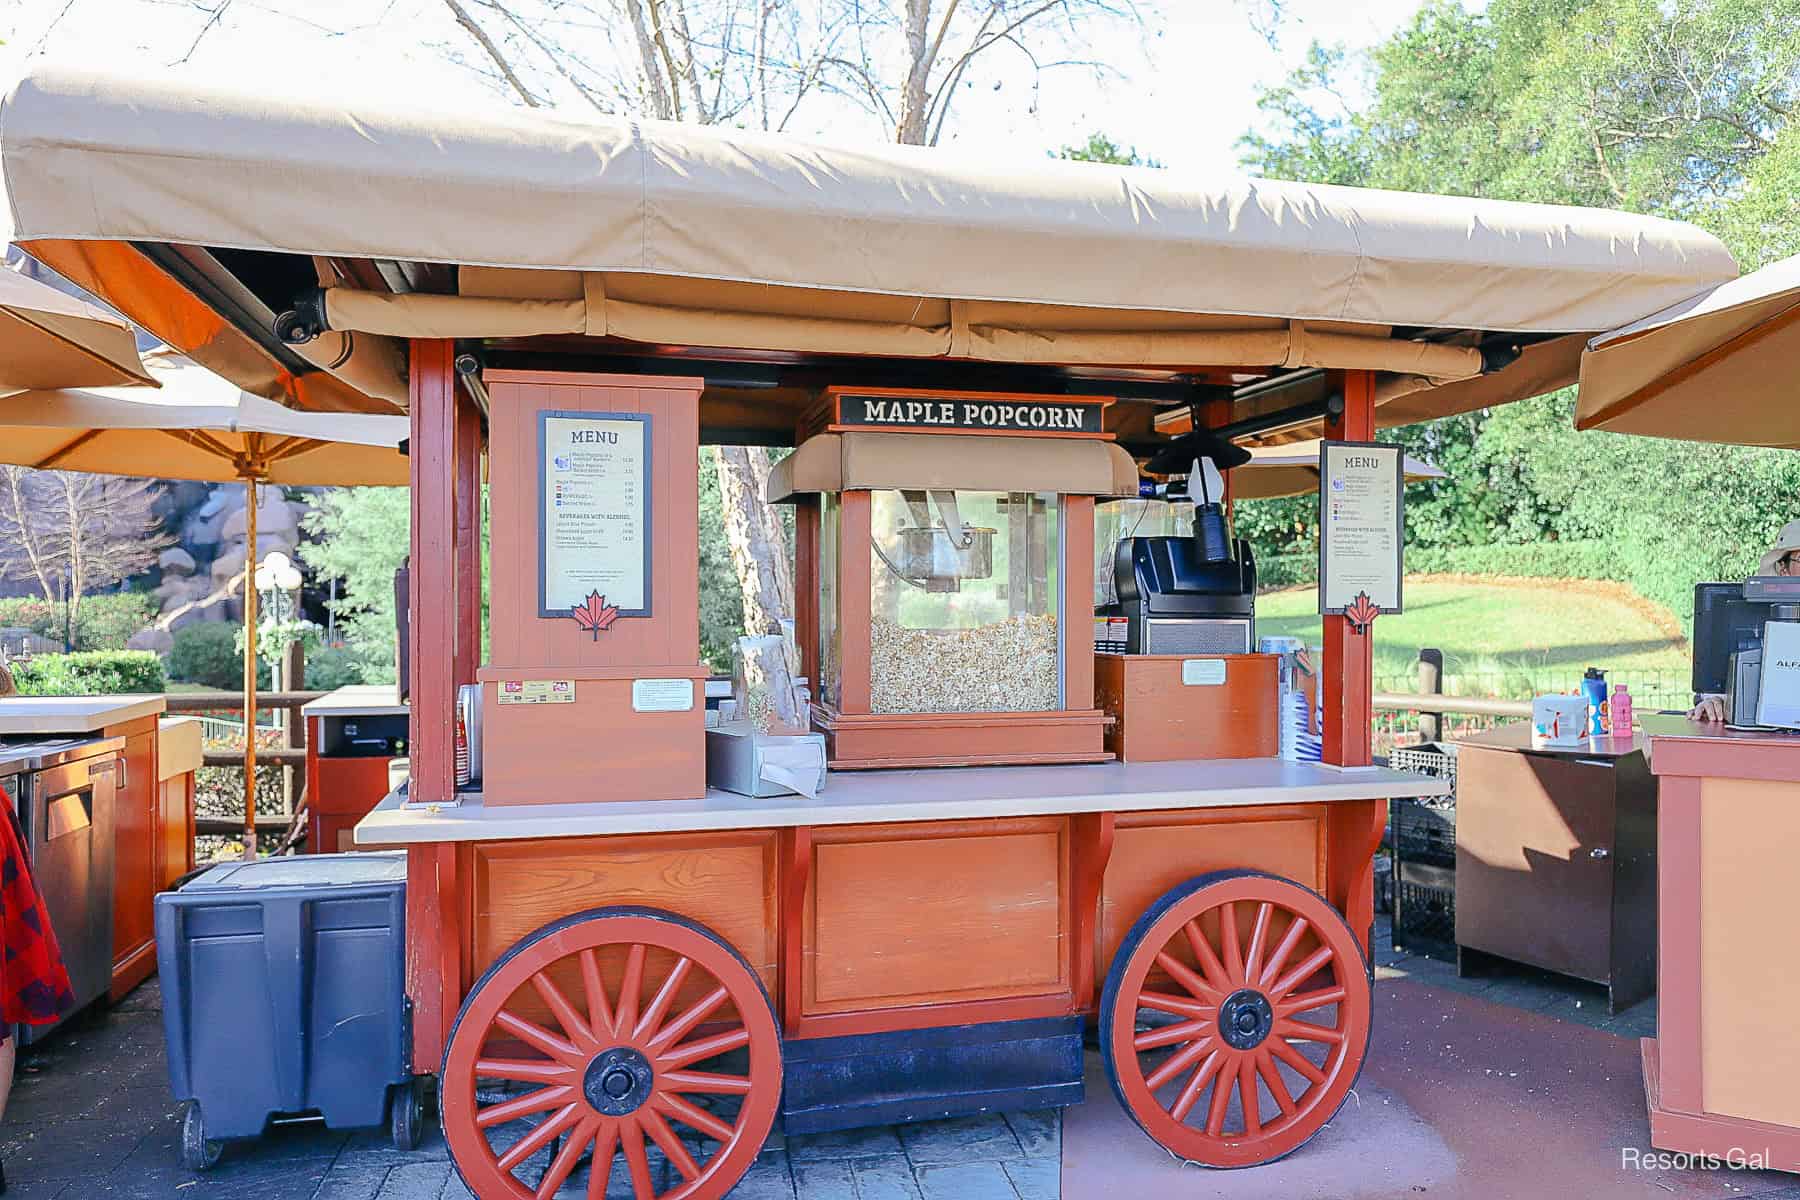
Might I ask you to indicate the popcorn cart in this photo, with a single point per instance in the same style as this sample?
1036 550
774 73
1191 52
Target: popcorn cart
623 976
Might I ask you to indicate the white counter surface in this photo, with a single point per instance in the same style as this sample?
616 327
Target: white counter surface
867 797
358 700
74 714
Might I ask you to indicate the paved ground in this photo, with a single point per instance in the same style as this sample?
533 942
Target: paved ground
1514 1084
91 1116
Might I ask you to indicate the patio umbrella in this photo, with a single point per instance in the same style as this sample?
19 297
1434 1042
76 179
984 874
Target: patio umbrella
199 426
48 339
1723 366
1293 470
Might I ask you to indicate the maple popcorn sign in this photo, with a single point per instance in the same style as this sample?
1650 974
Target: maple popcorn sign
594 533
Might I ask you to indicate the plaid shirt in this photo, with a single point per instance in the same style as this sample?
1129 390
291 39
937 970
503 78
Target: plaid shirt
34 984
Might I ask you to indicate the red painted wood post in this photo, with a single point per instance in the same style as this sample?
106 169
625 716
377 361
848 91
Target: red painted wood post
433 594
430 895
1347 674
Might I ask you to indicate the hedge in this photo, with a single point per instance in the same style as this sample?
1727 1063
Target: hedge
206 652
102 622
1533 560
89 673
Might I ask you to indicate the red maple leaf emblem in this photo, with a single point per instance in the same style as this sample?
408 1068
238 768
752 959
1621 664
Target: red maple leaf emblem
1362 614
594 614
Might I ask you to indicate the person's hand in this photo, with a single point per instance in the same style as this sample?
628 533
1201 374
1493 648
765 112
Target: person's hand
1710 708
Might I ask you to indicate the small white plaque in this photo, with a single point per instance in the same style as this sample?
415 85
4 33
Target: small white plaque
662 695
1202 672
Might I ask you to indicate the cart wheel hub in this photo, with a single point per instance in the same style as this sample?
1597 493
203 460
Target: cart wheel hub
618 1081
1245 1019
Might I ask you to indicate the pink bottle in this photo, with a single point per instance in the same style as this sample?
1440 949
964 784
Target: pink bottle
1621 711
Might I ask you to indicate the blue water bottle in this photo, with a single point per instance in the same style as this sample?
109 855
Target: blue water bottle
1593 688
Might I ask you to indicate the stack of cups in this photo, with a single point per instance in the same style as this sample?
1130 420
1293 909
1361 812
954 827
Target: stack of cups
1297 741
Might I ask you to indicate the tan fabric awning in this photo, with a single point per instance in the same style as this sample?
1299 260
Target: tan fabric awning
1722 367
838 462
48 339
197 426
88 156
1293 470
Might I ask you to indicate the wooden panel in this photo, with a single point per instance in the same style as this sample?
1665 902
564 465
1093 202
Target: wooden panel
596 748
1152 852
671 634
1678 940
1527 885
900 915
960 739
174 829
135 862
1160 719
725 881
467 466
347 785
1749 963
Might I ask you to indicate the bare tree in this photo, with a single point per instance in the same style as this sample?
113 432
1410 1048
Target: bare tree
758 62
73 534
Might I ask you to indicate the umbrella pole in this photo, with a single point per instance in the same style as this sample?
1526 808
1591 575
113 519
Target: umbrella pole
250 669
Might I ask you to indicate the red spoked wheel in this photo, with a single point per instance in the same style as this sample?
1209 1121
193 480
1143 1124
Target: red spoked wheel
1235 1018
617 1034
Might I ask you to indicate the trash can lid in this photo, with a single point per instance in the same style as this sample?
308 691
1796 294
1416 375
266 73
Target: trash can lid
313 870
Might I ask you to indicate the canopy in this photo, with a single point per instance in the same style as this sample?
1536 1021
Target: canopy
675 235
48 339
1723 366
837 462
1293 470
197 426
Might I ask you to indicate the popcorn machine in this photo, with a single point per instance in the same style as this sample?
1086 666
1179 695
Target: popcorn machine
945 589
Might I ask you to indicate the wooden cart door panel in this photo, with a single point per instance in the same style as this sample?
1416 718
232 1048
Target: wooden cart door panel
1534 844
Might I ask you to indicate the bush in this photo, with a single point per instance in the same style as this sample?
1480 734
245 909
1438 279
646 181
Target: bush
332 667
102 622
1532 560
89 673
205 652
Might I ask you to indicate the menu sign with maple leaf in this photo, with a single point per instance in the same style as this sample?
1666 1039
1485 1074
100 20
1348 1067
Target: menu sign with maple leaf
1362 530
594 614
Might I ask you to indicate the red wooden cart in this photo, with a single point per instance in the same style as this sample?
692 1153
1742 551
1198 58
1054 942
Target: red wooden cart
622 973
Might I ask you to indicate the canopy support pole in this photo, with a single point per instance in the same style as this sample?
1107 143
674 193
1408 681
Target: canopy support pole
433 954
250 598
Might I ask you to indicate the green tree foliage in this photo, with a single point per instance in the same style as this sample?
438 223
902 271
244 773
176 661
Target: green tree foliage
1679 108
207 653
360 537
1101 149
89 673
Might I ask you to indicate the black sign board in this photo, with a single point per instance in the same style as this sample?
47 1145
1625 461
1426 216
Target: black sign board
977 414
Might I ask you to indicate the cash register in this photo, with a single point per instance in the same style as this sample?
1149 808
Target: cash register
1747 648
1186 594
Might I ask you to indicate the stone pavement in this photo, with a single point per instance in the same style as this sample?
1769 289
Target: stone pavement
91 1117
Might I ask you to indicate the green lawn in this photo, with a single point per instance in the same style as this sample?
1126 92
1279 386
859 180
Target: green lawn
1509 639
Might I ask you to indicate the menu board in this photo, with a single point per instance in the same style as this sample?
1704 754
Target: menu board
593 511
1361 525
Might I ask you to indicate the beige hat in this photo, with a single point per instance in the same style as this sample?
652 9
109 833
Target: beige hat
1788 539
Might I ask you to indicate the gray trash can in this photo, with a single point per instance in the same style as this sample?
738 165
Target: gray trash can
284 994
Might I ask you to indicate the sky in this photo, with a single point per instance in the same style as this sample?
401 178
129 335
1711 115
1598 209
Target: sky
1182 89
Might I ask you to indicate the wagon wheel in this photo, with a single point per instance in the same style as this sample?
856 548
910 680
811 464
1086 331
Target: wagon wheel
1235 1018
617 1034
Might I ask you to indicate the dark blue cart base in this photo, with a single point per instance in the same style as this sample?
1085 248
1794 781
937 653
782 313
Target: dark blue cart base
925 1074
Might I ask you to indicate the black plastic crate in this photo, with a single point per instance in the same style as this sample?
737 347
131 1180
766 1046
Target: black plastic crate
1423 835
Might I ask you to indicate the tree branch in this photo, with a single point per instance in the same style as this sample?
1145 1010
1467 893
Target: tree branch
499 60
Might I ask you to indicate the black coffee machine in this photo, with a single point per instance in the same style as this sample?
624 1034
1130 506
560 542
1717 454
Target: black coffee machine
1186 595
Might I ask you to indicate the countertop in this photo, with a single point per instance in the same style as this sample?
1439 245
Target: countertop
951 793
74 714
358 700
1677 725
1518 736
